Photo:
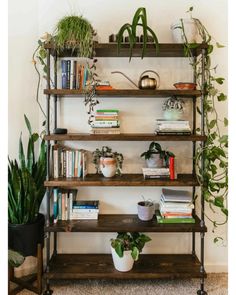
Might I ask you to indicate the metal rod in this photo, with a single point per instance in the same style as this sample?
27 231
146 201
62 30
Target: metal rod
55 86
55 244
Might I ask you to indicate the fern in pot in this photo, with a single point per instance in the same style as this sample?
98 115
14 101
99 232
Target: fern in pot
125 249
25 193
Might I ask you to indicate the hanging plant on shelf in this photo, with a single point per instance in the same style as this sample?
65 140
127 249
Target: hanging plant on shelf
214 178
77 34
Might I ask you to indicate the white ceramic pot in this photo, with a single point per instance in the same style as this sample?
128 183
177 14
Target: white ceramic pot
108 166
145 213
124 263
172 115
154 161
190 30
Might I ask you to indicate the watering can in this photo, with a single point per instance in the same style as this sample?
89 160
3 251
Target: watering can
145 82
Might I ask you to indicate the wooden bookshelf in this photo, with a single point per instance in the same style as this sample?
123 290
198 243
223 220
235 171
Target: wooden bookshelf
123 180
100 266
122 223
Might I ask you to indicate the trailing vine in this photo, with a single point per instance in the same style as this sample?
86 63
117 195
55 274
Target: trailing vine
214 153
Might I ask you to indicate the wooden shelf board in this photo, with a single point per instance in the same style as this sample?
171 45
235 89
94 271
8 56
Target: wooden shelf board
122 223
110 50
100 266
124 137
133 93
123 180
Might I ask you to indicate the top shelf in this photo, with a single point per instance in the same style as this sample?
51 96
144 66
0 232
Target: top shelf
110 50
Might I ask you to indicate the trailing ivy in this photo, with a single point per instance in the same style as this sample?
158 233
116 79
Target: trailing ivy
214 177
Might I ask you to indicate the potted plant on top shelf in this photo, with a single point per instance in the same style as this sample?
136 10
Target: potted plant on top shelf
25 194
156 157
139 20
107 162
125 249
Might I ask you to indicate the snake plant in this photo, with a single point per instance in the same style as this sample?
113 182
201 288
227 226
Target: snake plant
139 20
25 181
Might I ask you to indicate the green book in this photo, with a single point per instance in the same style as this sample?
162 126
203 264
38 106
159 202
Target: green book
107 111
160 219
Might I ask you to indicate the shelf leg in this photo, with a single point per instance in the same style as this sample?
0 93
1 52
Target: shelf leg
48 291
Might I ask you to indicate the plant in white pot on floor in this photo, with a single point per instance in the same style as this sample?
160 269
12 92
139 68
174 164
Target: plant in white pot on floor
107 162
156 157
125 249
146 209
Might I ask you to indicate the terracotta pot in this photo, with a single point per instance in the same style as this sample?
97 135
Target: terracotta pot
154 161
108 166
124 263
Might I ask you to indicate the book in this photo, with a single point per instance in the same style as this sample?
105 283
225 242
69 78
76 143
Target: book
160 219
106 123
55 205
105 130
63 75
170 195
84 215
85 204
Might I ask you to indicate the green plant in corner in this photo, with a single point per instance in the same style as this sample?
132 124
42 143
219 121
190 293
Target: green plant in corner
139 20
214 178
129 241
26 181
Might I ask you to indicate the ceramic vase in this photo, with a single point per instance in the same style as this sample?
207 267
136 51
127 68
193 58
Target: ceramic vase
108 166
190 30
145 212
154 161
124 263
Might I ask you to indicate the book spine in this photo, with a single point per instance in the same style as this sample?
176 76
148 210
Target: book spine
55 205
105 123
68 65
74 210
63 74
71 74
59 206
55 163
172 167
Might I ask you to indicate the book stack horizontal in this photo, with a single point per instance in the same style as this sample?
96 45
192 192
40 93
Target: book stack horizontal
173 127
103 85
106 122
62 204
175 207
74 75
88 209
156 173
68 162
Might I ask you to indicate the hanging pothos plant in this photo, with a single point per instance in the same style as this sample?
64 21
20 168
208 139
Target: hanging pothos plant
75 33
214 177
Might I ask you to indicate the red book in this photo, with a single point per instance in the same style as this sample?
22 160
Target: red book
172 167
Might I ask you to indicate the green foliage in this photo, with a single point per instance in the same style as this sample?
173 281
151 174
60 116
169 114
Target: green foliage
214 178
106 152
139 20
129 241
75 32
15 259
26 181
155 148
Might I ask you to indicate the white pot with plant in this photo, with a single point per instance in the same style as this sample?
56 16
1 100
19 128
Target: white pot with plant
125 249
156 157
146 209
173 108
107 162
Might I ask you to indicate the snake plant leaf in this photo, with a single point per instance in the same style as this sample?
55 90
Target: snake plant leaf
21 153
27 122
156 42
145 35
120 35
138 14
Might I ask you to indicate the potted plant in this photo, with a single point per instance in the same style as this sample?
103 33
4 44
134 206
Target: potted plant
173 108
156 157
107 162
139 20
25 194
125 249
146 209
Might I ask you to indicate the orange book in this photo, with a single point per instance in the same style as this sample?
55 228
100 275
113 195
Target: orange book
105 87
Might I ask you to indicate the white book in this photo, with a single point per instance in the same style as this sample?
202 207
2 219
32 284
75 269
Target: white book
71 74
105 124
84 215
55 163
175 204
170 195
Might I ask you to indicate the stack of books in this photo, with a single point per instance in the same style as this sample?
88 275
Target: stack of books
156 173
106 122
104 85
68 162
173 127
88 209
175 207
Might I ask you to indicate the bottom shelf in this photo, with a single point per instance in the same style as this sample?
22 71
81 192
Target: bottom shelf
100 266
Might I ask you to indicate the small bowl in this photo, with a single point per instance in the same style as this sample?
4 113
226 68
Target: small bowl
185 86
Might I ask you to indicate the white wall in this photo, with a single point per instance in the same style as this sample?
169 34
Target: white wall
138 115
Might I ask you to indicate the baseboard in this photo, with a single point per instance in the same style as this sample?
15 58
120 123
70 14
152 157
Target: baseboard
216 268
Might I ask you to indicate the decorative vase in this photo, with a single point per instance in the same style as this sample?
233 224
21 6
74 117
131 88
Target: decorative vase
108 166
124 263
154 161
190 30
24 238
145 212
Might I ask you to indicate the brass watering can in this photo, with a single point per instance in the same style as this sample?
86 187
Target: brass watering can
145 82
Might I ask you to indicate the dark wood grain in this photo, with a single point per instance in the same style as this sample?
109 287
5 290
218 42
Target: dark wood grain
100 266
122 223
110 50
129 93
124 137
123 180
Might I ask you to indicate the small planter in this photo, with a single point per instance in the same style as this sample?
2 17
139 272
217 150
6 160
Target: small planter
190 30
124 263
154 161
146 210
172 115
108 166
24 238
